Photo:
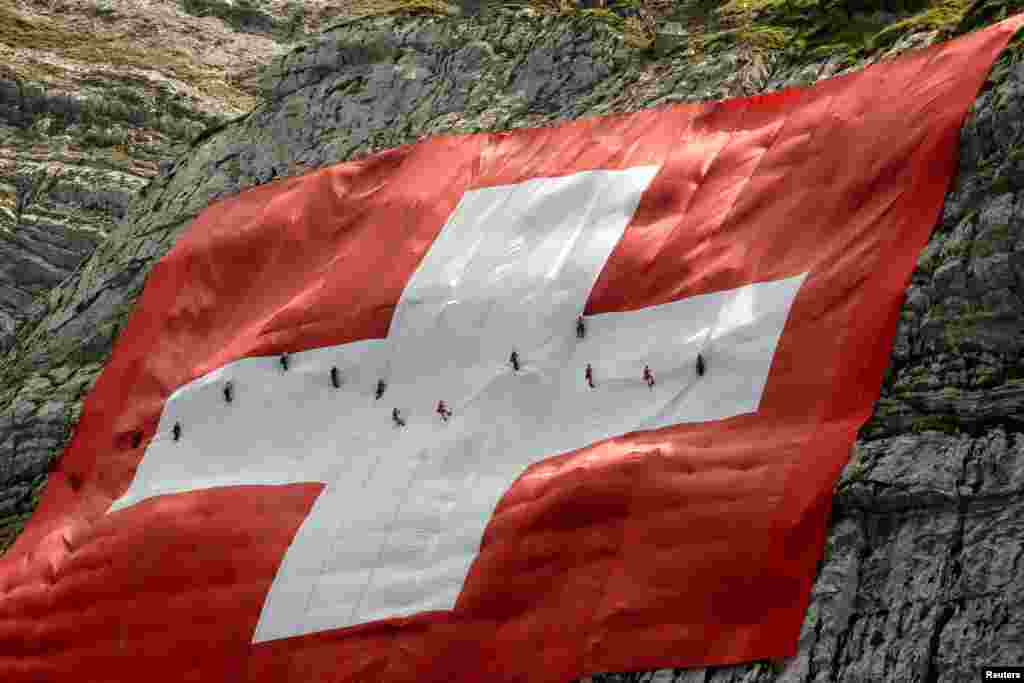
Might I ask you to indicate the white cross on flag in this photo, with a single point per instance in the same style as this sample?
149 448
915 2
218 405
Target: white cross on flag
502 407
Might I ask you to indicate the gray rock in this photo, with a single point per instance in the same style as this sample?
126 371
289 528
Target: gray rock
12 498
992 272
906 557
889 645
1002 302
997 217
950 279
975 632
918 299
996 464
993 547
903 472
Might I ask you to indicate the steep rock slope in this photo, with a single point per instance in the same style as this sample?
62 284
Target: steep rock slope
921 579
94 95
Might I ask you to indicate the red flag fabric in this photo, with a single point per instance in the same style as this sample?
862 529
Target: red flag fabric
300 508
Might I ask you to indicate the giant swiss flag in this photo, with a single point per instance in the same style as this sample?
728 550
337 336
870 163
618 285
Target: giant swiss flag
262 487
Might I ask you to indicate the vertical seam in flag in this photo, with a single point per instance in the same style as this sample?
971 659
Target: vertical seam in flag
416 472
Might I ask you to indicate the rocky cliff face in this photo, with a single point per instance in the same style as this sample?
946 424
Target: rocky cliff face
95 95
923 576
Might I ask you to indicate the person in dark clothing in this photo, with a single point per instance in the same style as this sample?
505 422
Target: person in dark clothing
700 365
648 376
443 411
589 375
581 328
514 359
399 422
380 389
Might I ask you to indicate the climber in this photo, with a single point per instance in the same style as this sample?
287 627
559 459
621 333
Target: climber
177 431
380 388
443 411
284 362
399 422
514 359
648 376
700 365
589 375
581 329
335 379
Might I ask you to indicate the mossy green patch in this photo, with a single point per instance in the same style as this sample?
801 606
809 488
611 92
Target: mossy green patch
951 393
769 666
960 328
986 377
602 15
982 249
812 30
1002 184
1015 372
999 233
985 12
913 380
118 49
943 16
948 424
766 37
350 86
855 472
829 550
10 528
955 250
104 137
243 15
249 17
363 8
